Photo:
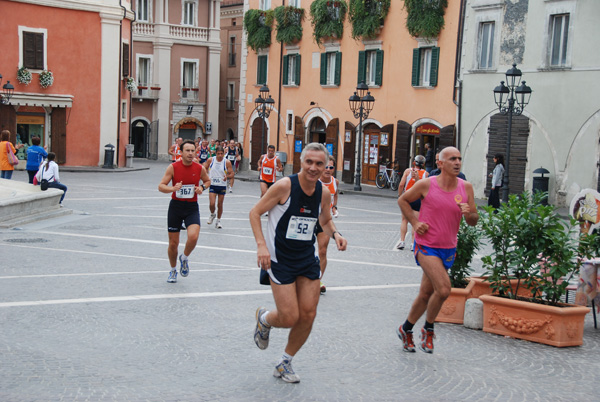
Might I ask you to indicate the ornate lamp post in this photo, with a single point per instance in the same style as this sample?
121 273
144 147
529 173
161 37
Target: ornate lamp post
7 92
511 100
361 104
263 105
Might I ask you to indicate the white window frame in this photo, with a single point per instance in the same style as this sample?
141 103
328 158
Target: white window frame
289 119
138 58
185 5
148 10
425 65
196 63
557 7
34 30
264 5
486 47
370 67
562 39
292 60
123 110
295 3
331 68
486 12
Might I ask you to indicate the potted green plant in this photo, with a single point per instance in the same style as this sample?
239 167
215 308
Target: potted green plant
46 78
130 84
521 232
469 241
367 17
258 24
24 75
425 18
289 24
327 19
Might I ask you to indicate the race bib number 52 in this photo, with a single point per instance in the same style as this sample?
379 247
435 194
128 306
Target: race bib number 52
301 228
186 191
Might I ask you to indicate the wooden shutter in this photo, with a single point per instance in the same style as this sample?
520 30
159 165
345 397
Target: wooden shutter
338 68
286 68
416 67
261 76
298 136
403 134
297 72
362 66
446 137
349 154
125 60
379 68
33 50
58 134
256 142
323 68
331 136
435 61
386 150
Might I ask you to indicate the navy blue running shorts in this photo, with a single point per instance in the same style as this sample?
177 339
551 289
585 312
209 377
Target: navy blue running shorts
284 275
182 211
220 190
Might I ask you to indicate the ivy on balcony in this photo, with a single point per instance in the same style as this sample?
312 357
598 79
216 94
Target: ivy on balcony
367 17
289 24
258 24
425 17
327 18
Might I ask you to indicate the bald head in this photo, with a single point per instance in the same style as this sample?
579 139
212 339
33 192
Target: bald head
446 152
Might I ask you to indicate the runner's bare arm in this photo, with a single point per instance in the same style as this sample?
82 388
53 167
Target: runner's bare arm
403 182
327 223
229 169
206 164
469 210
279 165
163 186
335 196
277 194
417 191
205 181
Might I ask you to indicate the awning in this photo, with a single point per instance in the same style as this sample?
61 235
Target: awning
43 100
189 120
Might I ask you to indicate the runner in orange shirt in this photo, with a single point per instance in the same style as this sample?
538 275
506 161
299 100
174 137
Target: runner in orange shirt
269 164
409 178
332 184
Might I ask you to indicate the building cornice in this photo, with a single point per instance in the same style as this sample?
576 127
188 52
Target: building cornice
83 5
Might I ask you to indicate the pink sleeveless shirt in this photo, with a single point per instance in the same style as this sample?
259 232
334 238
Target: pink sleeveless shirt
440 210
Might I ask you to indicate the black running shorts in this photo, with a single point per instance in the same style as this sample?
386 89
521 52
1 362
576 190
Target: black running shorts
182 211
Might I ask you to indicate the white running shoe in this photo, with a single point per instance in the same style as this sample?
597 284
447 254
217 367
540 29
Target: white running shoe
285 371
230 190
172 276
412 246
400 246
218 224
335 214
211 219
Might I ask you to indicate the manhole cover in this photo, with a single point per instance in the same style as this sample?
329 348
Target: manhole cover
37 240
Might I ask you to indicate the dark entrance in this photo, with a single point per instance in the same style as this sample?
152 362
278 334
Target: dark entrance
139 138
258 146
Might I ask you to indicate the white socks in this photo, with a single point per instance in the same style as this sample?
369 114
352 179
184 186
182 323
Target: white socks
287 357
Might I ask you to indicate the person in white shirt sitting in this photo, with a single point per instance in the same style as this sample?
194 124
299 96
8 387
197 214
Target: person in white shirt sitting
49 171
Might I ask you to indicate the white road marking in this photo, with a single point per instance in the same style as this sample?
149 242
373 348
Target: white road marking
187 295
370 210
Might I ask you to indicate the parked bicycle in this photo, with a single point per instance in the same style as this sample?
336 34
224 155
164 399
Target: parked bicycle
388 178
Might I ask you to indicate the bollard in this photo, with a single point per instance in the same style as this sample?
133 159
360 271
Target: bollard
109 156
473 317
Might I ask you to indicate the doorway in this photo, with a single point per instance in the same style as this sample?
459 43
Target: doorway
371 154
139 139
317 132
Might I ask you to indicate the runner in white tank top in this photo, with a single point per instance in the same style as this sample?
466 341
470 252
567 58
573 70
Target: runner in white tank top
219 171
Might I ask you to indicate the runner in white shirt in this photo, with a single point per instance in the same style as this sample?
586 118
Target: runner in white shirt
219 171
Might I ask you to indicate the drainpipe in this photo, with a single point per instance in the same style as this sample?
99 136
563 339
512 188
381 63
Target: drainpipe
130 62
280 85
457 61
120 83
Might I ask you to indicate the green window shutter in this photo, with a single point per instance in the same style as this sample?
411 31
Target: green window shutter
416 67
286 67
362 66
435 61
338 68
261 75
323 68
379 68
297 72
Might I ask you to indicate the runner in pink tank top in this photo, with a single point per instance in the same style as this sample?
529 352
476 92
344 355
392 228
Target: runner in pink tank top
445 199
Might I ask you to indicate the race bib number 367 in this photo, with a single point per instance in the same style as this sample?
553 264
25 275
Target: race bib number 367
186 191
301 228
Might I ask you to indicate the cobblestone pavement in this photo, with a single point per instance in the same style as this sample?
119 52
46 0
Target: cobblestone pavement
87 315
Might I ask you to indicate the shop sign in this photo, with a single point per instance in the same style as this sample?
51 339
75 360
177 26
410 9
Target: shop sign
428 129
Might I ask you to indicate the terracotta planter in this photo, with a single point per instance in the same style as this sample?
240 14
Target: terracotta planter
453 309
550 325
483 288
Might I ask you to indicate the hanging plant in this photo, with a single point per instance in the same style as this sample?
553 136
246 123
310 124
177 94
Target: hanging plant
24 75
130 85
257 24
425 17
327 18
46 78
367 17
289 24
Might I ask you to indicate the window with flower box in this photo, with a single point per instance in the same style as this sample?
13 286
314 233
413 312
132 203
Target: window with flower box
331 68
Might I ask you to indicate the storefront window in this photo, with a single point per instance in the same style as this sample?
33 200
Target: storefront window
29 126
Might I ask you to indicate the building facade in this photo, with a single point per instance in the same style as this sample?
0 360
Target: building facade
176 52
68 62
232 31
412 80
552 42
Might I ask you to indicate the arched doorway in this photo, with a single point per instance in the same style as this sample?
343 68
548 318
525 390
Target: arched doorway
259 142
189 128
317 132
139 138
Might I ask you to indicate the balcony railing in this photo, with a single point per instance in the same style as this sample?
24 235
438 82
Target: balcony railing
146 92
189 94
175 31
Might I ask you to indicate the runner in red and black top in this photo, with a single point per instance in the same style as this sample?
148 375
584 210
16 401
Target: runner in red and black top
185 176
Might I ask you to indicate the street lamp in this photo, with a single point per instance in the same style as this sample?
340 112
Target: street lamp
361 104
511 100
7 92
263 105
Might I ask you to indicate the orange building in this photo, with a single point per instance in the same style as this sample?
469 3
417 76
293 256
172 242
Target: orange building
84 105
412 81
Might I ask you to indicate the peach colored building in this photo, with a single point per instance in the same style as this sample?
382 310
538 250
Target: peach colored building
85 44
176 50
411 79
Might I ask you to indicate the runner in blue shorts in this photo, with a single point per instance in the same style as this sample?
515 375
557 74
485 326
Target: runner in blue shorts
447 255
288 256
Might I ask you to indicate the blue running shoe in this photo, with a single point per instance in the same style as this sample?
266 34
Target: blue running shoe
285 371
185 269
261 332
172 277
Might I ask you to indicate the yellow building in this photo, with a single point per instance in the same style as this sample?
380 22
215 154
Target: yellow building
411 78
